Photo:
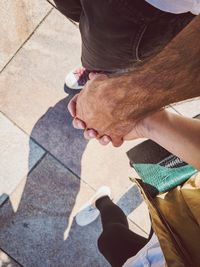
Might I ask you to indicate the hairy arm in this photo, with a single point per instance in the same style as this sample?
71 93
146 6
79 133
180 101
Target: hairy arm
171 76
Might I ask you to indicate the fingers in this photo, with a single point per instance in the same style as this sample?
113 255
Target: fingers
78 124
89 134
117 141
104 140
72 106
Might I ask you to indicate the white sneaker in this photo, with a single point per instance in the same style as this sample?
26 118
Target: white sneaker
76 79
88 213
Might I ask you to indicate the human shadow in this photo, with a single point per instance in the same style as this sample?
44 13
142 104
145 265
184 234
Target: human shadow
42 229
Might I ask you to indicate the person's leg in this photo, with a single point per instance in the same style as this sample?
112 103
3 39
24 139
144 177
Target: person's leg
70 8
117 243
111 45
110 212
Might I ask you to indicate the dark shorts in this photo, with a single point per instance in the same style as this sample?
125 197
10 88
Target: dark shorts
117 34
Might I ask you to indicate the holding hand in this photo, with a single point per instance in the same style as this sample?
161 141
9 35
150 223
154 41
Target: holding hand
100 110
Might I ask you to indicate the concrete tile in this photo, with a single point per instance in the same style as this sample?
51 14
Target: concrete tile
80 249
16 159
107 165
140 217
6 261
34 79
55 132
18 20
43 223
136 229
130 199
131 202
189 108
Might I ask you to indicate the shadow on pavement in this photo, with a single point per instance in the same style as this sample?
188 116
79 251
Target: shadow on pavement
42 232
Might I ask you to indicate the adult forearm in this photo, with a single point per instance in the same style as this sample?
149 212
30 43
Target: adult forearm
172 76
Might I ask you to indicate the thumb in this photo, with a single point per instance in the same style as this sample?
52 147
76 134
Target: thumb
117 141
72 105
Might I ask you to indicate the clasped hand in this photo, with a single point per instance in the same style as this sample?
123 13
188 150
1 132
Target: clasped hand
100 109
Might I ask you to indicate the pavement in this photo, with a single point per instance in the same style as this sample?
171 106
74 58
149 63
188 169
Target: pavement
48 170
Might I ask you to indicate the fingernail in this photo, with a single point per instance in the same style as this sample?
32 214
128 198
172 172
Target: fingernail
80 125
91 134
106 139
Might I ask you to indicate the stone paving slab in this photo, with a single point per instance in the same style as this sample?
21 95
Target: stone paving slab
42 222
188 108
18 19
16 158
6 261
140 217
132 203
137 229
34 80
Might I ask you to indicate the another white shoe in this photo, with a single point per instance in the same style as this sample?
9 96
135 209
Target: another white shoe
76 79
88 213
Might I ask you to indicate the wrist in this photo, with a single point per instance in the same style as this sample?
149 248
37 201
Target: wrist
151 125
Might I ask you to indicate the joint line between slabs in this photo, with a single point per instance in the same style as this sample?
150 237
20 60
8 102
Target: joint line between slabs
21 46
